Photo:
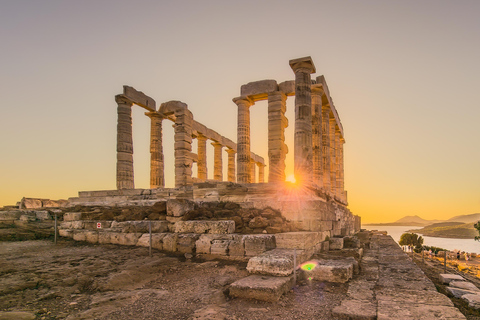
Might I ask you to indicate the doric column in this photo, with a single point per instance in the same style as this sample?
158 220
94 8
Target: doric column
261 172
202 157
333 155
157 179
342 171
252 171
326 147
303 157
124 144
243 139
277 149
183 147
338 160
317 135
217 162
231 165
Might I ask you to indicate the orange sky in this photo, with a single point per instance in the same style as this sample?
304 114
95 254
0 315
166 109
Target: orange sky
403 76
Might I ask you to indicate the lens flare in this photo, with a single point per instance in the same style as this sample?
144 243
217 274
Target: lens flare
291 178
308 266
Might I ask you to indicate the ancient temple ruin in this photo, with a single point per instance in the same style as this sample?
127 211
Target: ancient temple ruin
318 202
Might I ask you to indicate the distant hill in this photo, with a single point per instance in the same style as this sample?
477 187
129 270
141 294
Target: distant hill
408 221
466 218
452 229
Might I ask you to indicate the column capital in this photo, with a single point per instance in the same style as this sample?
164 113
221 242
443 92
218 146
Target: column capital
317 89
121 99
201 137
243 100
230 151
304 64
216 144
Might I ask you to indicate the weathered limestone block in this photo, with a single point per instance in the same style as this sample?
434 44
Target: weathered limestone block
126 239
139 98
336 243
204 242
43 215
91 236
287 87
220 247
170 242
92 225
67 233
80 235
473 300
276 262
258 243
139 226
258 90
296 240
332 270
351 242
388 310
10 215
186 242
72 216
28 217
446 278
157 240
31 203
178 207
261 287
458 293
205 226
464 285
237 246
326 225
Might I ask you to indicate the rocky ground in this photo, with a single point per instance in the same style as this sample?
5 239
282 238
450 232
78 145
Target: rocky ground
432 268
73 280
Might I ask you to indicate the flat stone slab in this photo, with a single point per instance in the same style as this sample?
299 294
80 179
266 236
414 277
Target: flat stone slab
276 262
473 300
408 297
336 243
296 240
447 278
464 285
355 309
389 310
458 293
263 288
339 271
205 226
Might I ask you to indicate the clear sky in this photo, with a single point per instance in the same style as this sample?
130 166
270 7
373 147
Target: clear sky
404 76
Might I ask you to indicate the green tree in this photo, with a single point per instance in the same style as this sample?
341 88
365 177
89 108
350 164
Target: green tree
477 226
411 240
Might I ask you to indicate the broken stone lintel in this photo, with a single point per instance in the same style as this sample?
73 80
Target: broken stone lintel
139 98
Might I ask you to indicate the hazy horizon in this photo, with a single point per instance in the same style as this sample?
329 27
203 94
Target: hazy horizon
403 77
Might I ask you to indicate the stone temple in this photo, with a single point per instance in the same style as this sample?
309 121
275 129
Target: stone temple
317 202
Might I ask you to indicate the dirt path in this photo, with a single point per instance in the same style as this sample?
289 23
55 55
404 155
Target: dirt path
74 280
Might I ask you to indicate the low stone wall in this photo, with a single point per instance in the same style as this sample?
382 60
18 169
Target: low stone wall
203 237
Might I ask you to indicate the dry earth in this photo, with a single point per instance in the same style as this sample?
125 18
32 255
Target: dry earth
74 280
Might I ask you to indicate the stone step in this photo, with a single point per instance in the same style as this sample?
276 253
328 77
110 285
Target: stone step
276 262
263 288
339 271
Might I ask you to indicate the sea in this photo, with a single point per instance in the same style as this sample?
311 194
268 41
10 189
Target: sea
467 245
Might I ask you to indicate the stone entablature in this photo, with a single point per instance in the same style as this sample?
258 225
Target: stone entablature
186 129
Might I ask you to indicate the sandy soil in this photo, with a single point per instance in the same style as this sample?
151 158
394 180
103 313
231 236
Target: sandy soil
74 280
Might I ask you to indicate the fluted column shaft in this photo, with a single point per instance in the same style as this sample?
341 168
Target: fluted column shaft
338 160
261 173
183 147
217 162
231 165
157 178
317 136
277 149
202 157
326 147
243 139
342 171
125 178
333 156
303 166
252 171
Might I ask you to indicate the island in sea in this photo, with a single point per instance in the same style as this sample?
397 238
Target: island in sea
459 227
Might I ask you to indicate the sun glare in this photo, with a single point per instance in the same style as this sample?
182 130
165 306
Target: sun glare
291 178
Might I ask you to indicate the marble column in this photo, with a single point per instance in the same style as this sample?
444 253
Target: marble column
202 157
277 149
326 147
338 161
342 171
183 147
261 172
243 139
157 178
252 171
303 157
124 144
217 161
333 156
231 165
317 135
